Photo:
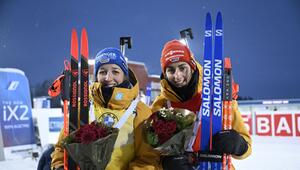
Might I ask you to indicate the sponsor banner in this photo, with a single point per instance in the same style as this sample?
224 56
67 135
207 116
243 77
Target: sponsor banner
15 109
56 124
263 125
279 123
283 125
49 122
148 94
248 122
297 124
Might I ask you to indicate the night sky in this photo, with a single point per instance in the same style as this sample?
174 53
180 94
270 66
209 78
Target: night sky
261 37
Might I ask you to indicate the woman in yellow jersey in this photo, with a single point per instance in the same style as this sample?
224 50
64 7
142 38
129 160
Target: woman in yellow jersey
181 87
114 92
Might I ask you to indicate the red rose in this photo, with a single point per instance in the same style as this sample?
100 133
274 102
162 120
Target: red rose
88 137
90 133
154 117
78 135
164 129
162 125
101 132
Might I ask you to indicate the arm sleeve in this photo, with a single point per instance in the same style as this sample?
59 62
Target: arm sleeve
158 103
239 126
146 158
41 162
58 153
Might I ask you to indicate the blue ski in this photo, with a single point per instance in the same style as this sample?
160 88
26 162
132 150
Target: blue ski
216 121
209 118
206 90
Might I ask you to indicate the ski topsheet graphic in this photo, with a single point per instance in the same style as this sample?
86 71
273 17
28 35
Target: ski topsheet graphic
84 79
216 116
78 118
73 114
217 77
68 85
209 118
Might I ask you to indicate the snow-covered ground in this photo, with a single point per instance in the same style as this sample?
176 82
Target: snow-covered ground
272 153
269 153
19 164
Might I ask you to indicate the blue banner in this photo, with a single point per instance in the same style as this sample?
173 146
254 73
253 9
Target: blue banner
148 94
56 124
15 109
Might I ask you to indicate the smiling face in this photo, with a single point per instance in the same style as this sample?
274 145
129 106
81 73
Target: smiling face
179 74
110 75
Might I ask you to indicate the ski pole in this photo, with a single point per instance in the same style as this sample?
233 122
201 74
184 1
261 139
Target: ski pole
61 86
65 95
227 118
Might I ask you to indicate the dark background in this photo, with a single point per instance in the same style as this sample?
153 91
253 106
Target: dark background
261 37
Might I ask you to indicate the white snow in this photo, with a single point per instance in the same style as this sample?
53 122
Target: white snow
19 164
274 153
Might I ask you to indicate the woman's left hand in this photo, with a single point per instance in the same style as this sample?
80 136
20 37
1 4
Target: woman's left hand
229 142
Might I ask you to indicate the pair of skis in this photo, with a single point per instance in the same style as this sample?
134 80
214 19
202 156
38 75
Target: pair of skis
211 116
78 117
211 107
68 85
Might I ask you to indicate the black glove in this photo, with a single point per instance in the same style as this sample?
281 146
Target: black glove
59 168
229 142
176 162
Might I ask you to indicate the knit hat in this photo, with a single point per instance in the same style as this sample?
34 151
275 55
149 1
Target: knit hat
175 51
110 55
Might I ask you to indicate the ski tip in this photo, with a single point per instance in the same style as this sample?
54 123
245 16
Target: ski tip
74 44
219 22
208 16
208 20
219 16
74 31
84 50
83 31
227 63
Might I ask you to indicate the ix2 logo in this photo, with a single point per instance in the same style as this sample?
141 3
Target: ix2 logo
17 112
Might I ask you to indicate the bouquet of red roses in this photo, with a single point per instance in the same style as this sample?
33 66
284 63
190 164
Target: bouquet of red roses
168 130
91 146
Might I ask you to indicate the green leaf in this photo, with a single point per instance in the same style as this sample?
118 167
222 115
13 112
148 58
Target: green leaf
152 139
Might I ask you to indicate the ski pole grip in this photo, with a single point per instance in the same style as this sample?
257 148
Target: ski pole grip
66 86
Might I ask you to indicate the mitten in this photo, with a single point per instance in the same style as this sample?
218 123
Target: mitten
229 142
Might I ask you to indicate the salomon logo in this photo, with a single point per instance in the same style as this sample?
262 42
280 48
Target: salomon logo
217 88
219 32
207 33
206 88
